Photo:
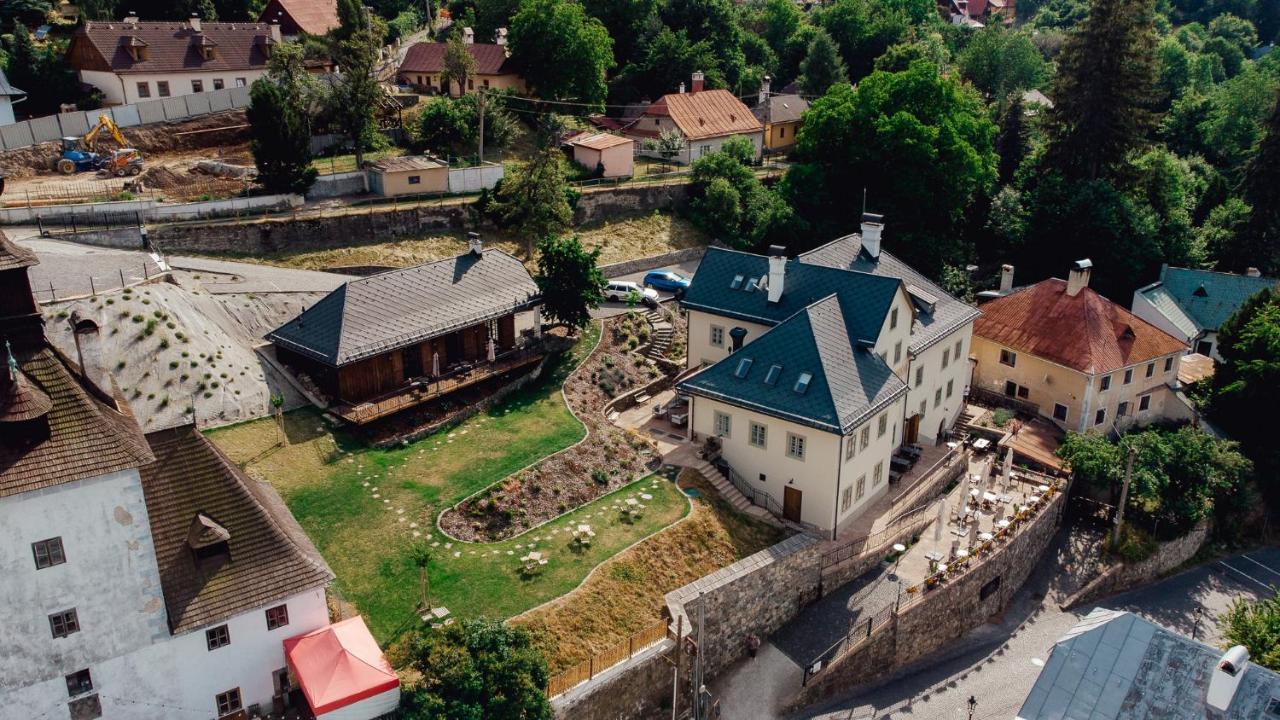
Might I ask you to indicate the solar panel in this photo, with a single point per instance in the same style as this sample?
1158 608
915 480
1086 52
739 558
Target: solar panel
771 377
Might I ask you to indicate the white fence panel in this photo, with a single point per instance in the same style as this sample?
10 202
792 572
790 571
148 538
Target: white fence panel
45 129
125 115
474 179
75 124
219 100
17 135
175 108
197 104
240 97
151 111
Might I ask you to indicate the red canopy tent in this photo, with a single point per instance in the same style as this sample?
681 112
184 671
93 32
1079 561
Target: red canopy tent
341 665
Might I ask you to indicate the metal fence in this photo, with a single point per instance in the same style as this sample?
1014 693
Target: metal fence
74 124
193 187
586 670
859 632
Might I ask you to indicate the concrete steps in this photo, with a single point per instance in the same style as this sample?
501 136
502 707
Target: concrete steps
660 334
723 486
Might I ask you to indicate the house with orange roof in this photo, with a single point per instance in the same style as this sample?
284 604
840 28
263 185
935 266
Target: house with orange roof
1076 358
297 17
423 66
706 119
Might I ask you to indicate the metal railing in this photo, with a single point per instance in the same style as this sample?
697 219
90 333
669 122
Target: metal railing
754 495
995 399
859 633
586 670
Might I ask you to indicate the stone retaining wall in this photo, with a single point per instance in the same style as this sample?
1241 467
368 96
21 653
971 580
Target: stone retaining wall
654 261
614 202
637 688
1126 576
944 614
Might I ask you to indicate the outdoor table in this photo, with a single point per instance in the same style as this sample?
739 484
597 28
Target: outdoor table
942 568
981 444
1033 499
1002 523
961 554
975 493
934 555
899 548
1042 489
990 497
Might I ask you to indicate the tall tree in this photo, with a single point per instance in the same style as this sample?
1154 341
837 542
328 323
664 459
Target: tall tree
352 18
280 125
1105 88
1001 62
569 280
1246 384
534 200
491 15
1255 624
478 669
459 65
822 66
1013 142
561 51
1258 244
357 94
631 23
24 60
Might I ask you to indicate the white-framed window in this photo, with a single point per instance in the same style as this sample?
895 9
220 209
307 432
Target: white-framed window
1060 412
878 474
240 82
862 486
703 150
893 319
197 86
717 336
946 357
883 425
897 352
759 435
1144 403
919 376
795 446
722 424
866 437
1008 357
218 84
144 89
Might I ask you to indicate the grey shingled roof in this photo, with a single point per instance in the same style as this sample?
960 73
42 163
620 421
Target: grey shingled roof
1205 297
948 313
849 383
864 298
396 309
780 108
1117 666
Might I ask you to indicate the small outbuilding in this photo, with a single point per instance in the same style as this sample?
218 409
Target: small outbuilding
612 155
342 672
416 175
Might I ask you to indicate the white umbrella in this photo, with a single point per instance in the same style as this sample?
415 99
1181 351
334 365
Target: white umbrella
435 364
942 521
1008 467
493 354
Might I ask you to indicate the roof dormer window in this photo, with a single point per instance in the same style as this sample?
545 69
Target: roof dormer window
210 542
802 383
137 48
208 48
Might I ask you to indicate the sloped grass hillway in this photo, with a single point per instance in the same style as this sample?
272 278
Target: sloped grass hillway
368 509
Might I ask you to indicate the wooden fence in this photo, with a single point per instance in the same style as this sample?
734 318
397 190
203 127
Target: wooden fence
594 665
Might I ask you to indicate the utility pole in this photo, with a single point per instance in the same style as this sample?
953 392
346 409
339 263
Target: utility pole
482 126
1124 493
697 662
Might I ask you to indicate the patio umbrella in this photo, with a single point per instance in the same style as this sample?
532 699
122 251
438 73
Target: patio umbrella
973 533
435 364
493 353
1008 467
942 521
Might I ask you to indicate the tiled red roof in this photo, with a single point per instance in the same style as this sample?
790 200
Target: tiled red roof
706 114
1085 332
314 17
170 46
271 557
429 58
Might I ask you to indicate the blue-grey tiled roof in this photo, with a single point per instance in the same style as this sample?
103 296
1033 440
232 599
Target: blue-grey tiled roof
1206 297
849 383
864 298
395 309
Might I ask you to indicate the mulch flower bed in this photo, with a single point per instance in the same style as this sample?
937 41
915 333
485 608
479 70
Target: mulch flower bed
607 459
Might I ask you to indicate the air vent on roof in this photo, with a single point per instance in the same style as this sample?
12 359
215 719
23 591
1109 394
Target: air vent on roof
802 382
1201 292
737 283
771 377
744 367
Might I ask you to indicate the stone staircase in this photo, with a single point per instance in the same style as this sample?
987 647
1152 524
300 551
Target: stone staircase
660 335
722 485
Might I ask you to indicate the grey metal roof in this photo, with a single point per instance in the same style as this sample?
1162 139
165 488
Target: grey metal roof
8 90
849 383
864 298
1206 297
395 309
780 108
929 327
1164 301
1116 665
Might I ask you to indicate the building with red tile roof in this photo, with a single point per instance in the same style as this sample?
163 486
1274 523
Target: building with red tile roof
1078 358
424 63
313 17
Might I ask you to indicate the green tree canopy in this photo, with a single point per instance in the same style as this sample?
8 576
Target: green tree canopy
358 94
1000 62
729 202
822 66
631 23
534 199
478 670
1258 244
458 65
1246 384
1255 624
569 280
280 125
450 126
670 59
561 51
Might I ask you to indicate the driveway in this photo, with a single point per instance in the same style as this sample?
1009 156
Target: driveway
609 309
226 277
70 269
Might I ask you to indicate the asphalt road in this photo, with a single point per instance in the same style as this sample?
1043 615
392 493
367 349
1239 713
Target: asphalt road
609 309
998 663
72 270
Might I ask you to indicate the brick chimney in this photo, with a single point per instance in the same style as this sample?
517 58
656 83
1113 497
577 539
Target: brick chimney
500 36
764 90
696 86
468 36
1006 279
872 226
777 272
1078 279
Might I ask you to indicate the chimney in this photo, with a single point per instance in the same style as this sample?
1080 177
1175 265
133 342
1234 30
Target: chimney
872 225
1078 279
194 22
89 350
777 272
500 37
474 243
764 90
275 31
696 86
1252 272
739 336
1226 677
1006 279
131 18
468 36
682 88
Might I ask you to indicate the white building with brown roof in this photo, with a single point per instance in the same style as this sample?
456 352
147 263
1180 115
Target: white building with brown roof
297 17
706 119
145 577
424 63
132 60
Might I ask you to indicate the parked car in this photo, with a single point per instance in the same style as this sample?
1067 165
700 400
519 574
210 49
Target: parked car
620 291
667 280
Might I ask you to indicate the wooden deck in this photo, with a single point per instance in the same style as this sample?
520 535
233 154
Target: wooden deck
422 390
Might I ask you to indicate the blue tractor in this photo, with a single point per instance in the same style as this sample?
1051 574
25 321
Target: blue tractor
75 158
81 153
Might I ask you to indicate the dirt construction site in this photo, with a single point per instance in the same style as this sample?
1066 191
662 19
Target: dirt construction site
172 153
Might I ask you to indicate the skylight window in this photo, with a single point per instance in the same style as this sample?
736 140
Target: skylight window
737 283
802 383
744 367
771 377
751 284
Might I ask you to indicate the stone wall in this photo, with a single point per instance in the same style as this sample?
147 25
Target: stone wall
609 203
328 186
754 596
1125 576
637 688
944 614
653 261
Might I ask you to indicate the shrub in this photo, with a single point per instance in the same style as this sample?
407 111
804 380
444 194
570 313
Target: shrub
600 476
1001 416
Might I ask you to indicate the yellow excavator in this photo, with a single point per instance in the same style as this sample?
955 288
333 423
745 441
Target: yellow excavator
81 153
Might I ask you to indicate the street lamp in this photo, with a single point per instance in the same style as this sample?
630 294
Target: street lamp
898 548
973 705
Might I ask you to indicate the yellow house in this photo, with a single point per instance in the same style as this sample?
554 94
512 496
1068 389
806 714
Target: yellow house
1075 357
781 116
390 177
424 63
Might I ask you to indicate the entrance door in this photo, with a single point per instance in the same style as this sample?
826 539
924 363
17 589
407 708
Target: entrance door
913 431
791 503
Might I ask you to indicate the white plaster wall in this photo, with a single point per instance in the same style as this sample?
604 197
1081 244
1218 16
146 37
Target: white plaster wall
695 149
898 336
106 82
1132 393
1143 308
370 707
701 351
935 378
863 462
179 83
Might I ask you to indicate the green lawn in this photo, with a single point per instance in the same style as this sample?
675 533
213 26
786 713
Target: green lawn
362 507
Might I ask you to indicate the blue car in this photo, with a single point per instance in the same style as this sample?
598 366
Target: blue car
667 280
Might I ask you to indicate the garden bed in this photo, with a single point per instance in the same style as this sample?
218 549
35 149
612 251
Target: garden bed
606 459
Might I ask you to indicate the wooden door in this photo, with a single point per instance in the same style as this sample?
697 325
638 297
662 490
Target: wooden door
791 503
913 431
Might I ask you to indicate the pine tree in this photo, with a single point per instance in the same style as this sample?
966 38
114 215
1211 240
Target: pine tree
1258 244
1012 143
281 141
1105 89
352 18
25 60
822 66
